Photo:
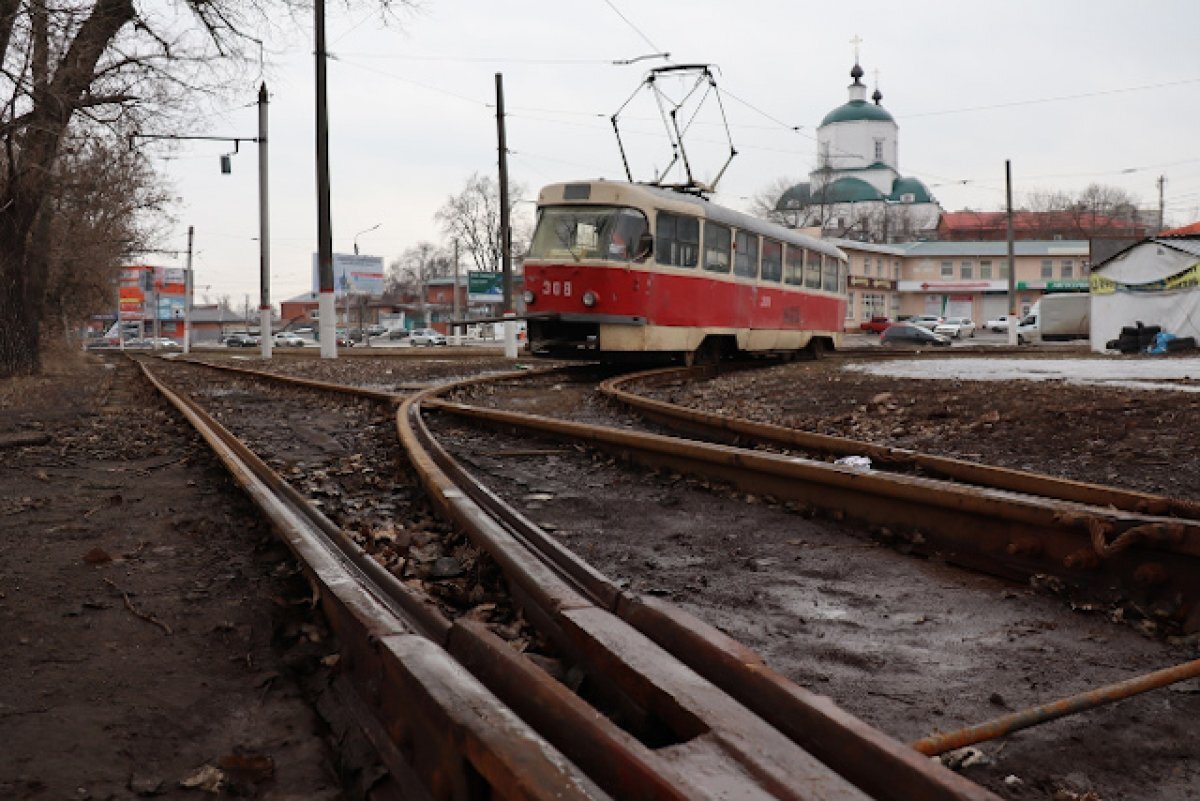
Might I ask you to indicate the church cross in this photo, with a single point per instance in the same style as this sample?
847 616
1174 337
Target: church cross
856 41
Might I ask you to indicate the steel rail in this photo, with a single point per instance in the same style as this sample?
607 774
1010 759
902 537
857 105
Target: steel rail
733 429
710 733
444 735
1156 560
876 763
698 743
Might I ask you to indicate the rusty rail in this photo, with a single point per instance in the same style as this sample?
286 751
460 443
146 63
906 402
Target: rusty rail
998 531
735 429
446 728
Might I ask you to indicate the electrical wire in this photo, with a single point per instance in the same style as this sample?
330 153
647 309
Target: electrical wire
1059 98
635 28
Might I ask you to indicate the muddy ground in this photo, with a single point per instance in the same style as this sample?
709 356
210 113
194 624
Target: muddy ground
910 645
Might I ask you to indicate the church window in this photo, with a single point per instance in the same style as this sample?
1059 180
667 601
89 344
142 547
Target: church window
879 150
908 197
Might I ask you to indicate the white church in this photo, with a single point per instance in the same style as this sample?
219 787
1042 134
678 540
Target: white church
857 191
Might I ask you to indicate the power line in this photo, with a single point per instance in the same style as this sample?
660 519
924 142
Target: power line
635 28
484 59
426 86
1059 98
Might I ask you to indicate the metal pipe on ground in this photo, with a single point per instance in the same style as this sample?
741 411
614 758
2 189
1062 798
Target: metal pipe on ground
941 743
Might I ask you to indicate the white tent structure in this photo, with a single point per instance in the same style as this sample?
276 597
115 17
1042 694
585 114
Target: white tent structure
1156 282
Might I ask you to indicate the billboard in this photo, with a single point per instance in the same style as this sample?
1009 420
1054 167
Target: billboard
145 290
358 275
485 287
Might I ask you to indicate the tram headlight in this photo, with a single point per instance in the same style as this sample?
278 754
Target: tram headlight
589 298
529 297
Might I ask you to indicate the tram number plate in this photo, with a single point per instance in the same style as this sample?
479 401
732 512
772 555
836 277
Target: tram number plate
557 288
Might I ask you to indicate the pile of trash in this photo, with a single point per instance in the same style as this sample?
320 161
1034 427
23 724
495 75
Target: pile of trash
1139 338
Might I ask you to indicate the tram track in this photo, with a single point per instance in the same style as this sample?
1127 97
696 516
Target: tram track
721 658
1095 542
680 734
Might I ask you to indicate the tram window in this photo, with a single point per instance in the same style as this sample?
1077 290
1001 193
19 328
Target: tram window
794 268
829 280
812 269
717 239
772 260
587 232
625 243
677 240
745 255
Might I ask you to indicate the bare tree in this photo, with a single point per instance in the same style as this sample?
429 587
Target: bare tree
88 67
1097 211
416 265
103 202
472 217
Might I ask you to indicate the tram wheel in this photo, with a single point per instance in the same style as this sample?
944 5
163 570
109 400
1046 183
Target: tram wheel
815 350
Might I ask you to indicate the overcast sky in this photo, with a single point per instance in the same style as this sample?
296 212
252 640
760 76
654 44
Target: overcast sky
1072 91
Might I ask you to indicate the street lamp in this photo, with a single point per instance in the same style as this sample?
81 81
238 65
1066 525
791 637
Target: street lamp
360 233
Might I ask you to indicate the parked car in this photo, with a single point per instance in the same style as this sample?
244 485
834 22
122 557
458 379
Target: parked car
426 336
911 335
343 339
929 321
997 325
161 342
241 339
398 333
376 330
287 339
876 325
956 327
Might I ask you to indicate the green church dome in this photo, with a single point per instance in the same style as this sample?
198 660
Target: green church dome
910 186
795 198
857 110
849 190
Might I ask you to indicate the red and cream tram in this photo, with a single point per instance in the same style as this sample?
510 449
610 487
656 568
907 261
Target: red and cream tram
620 271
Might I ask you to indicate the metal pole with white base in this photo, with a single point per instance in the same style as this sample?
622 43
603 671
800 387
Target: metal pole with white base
264 231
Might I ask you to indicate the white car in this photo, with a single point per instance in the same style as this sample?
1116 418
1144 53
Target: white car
997 325
929 321
286 339
956 327
426 336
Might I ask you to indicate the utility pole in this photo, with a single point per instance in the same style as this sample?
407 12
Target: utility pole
188 286
1162 182
1012 264
457 329
327 325
264 228
510 327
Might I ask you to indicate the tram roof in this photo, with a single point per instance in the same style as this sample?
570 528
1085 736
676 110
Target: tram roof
621 191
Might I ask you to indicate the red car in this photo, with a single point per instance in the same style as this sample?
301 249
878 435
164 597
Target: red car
876 325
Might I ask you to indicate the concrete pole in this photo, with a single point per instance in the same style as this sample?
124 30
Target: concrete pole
264 231
188 287
510 326
457 329
1012 262
327 310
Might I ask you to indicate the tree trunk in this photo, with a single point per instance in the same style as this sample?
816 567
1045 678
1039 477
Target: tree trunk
21 291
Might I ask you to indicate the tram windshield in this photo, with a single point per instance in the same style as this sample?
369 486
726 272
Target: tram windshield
590 232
